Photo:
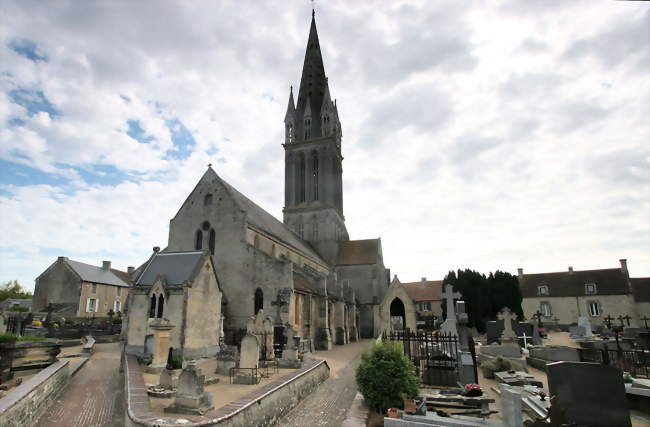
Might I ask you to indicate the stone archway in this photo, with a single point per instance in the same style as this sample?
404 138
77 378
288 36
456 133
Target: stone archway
397 314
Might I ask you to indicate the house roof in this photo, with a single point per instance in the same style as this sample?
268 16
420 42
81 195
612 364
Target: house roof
175 267
429 290
610 281
16 302
641 289
356 252
94 274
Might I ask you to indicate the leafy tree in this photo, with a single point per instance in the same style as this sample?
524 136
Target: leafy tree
13 289
385 375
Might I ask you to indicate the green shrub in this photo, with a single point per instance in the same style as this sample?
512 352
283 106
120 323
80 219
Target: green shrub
177 362
8 337
33 338
20 309
385 375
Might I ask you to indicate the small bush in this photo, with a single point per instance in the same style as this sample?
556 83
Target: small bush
32 338
20 309
177 362
8 337
385 375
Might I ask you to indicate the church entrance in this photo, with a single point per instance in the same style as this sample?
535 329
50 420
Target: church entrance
397 315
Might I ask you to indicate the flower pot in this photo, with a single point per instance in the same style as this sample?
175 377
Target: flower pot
393 413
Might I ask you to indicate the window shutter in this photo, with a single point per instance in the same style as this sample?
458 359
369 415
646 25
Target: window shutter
88 305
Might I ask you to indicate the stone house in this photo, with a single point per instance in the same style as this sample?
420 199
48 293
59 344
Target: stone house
304 270
78 289
414 305
183 288
427 297
641 292
597 294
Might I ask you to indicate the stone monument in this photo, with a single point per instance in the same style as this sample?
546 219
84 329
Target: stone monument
161 332
248 360
290 353
449 326
191 398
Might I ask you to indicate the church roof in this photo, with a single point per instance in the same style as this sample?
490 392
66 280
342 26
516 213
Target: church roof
175 267
641 289
357 252
609 281
268 223
94 274
429 290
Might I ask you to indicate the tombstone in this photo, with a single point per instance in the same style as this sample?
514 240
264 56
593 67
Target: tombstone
511 407
227 358
508 335
584 322
161 337
289 357
588 394
449 326
267 327
248 360
191 398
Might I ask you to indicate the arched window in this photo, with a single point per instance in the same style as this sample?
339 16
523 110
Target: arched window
161 304
212 241
198 245
302 179
207 200
307 128
259 300
152 307
314 230
314 182
289 133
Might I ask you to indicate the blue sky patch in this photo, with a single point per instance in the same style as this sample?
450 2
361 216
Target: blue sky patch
99 174
26 48
181 138
136 132
20 175
33 101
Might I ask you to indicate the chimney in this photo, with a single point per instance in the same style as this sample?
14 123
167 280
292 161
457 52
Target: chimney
520 272
156 249
62 258
106 265
570 269
424 279
130 269
623 265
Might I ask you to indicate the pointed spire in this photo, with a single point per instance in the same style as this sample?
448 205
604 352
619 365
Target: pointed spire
307 112
291 108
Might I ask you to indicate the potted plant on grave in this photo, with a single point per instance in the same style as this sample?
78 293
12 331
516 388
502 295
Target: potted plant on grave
473 390
627 380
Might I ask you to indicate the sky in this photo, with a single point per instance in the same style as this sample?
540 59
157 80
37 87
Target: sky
488 135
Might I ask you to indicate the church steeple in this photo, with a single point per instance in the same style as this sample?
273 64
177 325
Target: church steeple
290 120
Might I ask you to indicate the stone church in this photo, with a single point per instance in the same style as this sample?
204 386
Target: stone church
305 270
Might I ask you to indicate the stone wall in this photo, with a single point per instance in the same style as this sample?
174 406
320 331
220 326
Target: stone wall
25 404
57 284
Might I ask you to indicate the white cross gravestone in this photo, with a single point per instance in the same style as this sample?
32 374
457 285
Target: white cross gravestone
449 325
507 316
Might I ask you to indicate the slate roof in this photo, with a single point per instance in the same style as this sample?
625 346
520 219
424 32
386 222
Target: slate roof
303 284
16 302
175 267
268 223
94 274
610 281
429 290
641 289
358 252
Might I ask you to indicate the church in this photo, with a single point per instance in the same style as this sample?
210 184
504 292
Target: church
305 270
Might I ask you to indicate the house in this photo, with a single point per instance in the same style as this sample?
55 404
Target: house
412 305
426 295
601 295
78 289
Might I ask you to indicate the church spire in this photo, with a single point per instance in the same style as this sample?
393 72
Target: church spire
291 108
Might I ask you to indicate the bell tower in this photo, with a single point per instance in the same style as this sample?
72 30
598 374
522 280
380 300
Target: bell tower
313 185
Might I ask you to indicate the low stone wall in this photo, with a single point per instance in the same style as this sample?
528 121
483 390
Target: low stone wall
262 407
25 404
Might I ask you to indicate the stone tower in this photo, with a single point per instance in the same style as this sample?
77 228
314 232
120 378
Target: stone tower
313 186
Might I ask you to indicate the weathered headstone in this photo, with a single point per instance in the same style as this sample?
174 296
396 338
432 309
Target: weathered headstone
584 322
290 353
449 326
511 407
226 359
248 360
508 335
191 398
589 394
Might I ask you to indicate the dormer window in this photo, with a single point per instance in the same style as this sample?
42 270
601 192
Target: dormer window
590 288
542 290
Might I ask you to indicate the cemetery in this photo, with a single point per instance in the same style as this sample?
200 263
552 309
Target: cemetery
519 374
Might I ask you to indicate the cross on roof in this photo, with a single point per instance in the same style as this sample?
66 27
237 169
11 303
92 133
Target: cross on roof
449 295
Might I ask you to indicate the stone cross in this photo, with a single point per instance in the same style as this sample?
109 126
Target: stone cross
449 295
279 303
608 320
507 316
538 316
524 338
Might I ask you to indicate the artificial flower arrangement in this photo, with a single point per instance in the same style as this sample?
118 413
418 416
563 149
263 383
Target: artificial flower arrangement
473 390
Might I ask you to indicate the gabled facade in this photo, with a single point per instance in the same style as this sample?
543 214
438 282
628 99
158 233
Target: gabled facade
77 289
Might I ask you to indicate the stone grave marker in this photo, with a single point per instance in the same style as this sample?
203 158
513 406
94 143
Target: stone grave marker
511 407
290 353
508 335
449 325
583 321
588 394
191 398
248 360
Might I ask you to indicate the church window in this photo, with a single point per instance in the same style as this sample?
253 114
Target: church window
161 304
302 180
198 245
152 307
300 230
259 300
289 133
314 230
212 241
307 128
315 175
207 200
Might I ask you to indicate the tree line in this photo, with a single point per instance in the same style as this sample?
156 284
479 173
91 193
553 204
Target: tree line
13 289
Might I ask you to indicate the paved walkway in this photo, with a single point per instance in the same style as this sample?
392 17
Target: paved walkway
94 396
328 405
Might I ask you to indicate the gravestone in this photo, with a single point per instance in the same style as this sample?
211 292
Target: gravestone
588 394
191 398
517 378
508 335
583 321
511 407
290 353
248 360
226 359
449 326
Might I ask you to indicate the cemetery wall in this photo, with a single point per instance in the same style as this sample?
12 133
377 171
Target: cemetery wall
203 315
568 309
25 404
106 296
58 284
